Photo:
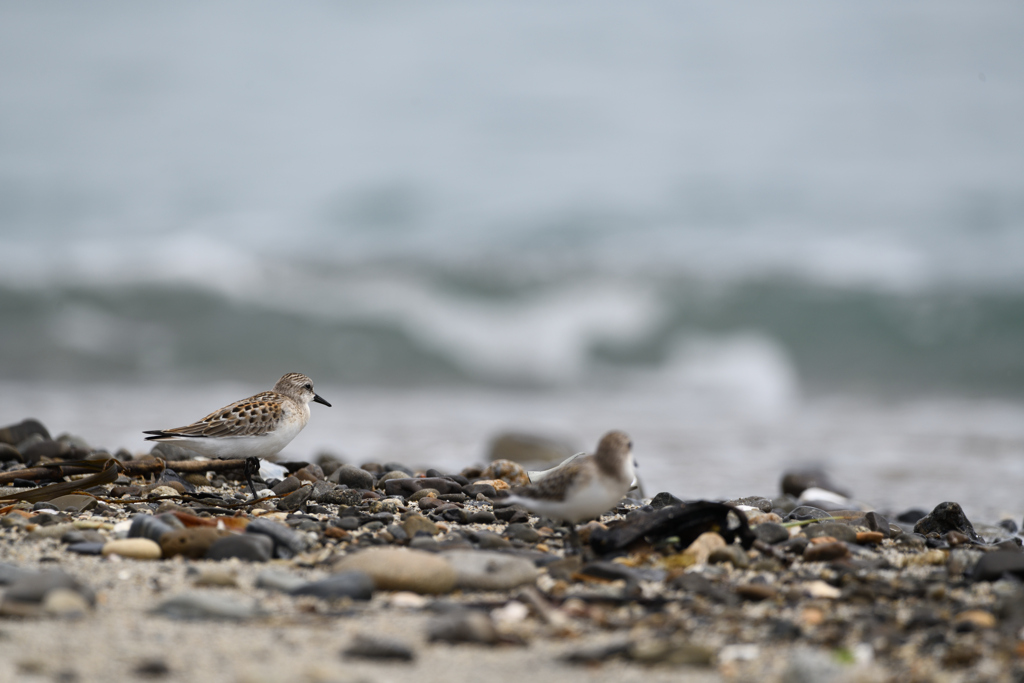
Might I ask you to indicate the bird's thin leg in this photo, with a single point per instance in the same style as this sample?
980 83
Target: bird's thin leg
252 466
573 542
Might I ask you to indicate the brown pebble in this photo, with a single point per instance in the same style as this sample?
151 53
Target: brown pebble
311 472
336 533
865 537
755 591
977 618
414 524
507 471
192 543
955 538
826 552
812 616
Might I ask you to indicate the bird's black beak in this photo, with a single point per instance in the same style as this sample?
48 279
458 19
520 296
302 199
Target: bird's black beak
317 399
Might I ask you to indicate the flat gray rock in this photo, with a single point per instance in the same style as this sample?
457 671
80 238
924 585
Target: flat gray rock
205 605
490 571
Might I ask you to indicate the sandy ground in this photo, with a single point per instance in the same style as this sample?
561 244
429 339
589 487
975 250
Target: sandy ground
299 639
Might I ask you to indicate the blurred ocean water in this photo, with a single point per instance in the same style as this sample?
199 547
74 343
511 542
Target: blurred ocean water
691 209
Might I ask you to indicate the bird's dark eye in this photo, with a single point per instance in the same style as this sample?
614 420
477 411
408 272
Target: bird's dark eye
309 387
630 445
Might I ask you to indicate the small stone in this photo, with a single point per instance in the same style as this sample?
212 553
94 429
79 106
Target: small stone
205 605
217 577
10 574
699 552
171 478
340 496
820 589
870 537
876 522
975 619
522 532
378 647
50 531
196 478
275 580
405 486
310 473
507 471
286 486
403 569
474 490
664 499
997 565
83 536
348 523
86 548
490 571
13 520
66 603
33 587
756 591
287 542
826 552
482 517
946 517
163 490
415 524
9 453
771 533
295 499
135 548
732 554
148 526
423 493
488 540
152 668
192 543
496 484
356 585
464 626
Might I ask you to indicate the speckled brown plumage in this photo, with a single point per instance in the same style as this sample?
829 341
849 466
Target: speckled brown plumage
251 416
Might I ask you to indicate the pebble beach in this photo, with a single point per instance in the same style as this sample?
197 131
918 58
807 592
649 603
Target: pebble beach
170 570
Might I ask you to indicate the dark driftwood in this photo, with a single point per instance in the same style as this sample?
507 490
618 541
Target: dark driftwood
105 476
132 468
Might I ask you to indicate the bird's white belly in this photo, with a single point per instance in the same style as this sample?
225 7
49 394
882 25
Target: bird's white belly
261 446
590 500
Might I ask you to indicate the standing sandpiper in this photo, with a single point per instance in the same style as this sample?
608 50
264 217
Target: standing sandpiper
582 488
258 426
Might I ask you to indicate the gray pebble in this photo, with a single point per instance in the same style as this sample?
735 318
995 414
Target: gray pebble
490 571
482 517
377 647
86 548
248 547
34 587
276 580
464 626
349 584
353 477
287 542
205 605
522 532
771 533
